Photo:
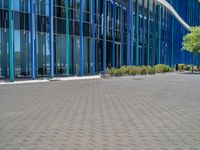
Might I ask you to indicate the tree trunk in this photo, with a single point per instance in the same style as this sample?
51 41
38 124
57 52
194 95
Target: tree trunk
192 68
193 63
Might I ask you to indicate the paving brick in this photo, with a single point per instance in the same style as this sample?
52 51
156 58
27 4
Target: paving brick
131 113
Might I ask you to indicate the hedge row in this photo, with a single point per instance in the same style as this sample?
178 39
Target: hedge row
137 70
182 67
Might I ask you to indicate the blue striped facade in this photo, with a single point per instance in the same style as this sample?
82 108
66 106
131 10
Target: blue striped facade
39 38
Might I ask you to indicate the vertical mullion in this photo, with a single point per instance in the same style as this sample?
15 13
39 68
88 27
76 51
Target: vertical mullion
148 32
156 32
128 32
132 33
153 37
93 36
172 29
11 52
32 28
137 33
165 36
159 33
104 37
143 32
172 54
67 39
113 33
122 32
81 37
51 39
199 18
168 38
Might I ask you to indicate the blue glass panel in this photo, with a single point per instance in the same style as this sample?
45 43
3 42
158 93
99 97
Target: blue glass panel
21 5
4 4
22 53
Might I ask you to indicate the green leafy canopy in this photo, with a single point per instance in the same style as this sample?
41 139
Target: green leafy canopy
191 41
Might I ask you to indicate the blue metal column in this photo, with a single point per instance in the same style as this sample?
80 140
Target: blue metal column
132 32
143 32
67 40
172 38
193 8
153 36
93 37
177 35
113 34
32 29
159 34
137 33
187 20
190 22
168 38
104 37
165 36
11 52
171 42
51 39
122 32
199 24
199 17
128 11
172 53
148 32
81 37
156 36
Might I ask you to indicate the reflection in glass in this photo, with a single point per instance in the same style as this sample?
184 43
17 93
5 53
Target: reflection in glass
42 54
3 3
60 55
22 53
86 56
43 7
22 5
4 55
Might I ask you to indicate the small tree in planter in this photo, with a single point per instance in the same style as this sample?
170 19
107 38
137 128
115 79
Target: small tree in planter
191 42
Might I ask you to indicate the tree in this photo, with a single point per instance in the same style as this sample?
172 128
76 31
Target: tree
191 42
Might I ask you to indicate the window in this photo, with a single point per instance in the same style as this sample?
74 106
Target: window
22 5
3 3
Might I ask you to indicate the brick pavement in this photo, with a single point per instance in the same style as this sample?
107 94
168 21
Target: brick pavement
159 112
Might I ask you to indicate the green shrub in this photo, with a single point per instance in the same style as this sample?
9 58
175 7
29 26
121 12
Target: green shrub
138 69
151 70
144 70
159 69
118 72
181 66
111 72
123 69
188 67
166 69
171 69
133 71
162 68
108 71
127 70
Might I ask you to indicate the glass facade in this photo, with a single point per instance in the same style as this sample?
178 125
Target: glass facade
135 32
